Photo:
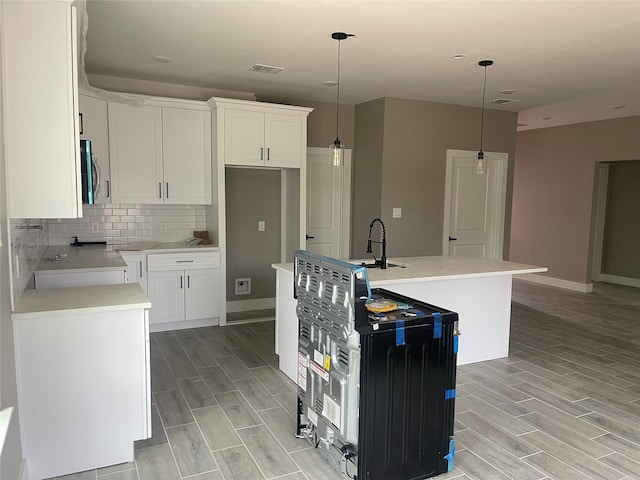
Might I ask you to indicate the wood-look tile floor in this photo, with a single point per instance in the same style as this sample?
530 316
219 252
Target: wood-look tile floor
564 405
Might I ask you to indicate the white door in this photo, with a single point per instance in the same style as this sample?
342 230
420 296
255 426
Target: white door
328 204
474 205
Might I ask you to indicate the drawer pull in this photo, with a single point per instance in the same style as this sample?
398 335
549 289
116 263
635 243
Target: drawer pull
184 261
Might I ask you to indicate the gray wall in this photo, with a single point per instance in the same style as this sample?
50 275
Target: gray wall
366 186
400 161
553 190
621 250
252 195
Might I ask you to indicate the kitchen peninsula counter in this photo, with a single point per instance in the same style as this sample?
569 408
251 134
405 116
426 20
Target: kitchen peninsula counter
83 376
477 289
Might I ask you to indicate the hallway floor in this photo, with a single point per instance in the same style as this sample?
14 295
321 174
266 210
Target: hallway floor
564 405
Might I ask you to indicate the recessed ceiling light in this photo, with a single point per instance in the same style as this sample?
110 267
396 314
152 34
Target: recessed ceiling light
617 107
330 83
459 56
162 59
507 91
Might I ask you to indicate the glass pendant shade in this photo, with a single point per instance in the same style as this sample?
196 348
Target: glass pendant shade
336 150
480 164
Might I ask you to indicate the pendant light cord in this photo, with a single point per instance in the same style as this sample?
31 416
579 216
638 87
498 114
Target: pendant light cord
484 89
338 97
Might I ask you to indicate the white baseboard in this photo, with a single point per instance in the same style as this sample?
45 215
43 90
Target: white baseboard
255 304
629 282
182 324
557 282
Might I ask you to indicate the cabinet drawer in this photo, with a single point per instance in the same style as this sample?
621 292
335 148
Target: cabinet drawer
186 261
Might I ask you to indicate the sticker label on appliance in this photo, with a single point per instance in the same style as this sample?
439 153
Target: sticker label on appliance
327 363
302 371
318 370
331 410
318 357
312 416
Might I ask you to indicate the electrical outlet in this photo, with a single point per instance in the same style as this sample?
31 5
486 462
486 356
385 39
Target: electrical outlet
261 226
94 228
397 212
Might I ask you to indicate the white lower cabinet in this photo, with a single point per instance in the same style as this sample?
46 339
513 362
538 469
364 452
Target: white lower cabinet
83 379
183 287
136 269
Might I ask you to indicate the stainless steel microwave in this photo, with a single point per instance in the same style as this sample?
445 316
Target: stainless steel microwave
89 172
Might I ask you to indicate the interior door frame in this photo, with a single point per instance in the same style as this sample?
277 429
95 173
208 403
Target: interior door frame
497 250
345 215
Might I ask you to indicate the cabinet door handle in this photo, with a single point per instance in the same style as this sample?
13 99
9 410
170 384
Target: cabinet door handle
167 190
81 124
180 282
261 153
188 281
268 152
160 189
108 189
140 268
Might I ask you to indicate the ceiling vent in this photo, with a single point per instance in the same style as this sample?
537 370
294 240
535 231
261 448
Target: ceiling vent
503 101
266 69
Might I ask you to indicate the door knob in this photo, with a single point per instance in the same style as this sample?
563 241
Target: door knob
451 239
309 236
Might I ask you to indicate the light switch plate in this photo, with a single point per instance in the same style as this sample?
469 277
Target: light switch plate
397 212
261 226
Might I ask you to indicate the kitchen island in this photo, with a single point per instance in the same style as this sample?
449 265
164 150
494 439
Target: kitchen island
477 289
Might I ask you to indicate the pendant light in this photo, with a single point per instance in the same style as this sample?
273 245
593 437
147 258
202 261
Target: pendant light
480 164
336 150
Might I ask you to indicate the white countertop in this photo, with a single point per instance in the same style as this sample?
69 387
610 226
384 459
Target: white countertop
163 247
96 298
105 257
418 269
78 259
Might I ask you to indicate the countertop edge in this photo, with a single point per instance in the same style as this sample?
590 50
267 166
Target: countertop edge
53 302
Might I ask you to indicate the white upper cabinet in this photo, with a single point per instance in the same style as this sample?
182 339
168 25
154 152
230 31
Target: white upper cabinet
259 134
41 105
160 154
135 145
186 149
94 126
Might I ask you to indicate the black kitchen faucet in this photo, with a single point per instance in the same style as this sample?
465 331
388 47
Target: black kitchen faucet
382 261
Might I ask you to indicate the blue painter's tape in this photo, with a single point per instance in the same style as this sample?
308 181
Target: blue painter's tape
437 325
452 453
449 394
455 344
400 332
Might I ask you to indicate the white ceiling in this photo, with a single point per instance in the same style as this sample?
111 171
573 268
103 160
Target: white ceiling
569 60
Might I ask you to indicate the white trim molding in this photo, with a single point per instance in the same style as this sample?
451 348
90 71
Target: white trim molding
557 282
254 304
629 282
